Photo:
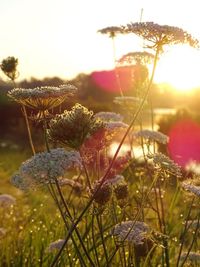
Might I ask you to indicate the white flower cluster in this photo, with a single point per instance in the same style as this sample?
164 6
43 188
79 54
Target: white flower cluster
111 31
134 232
46 167
6 200
73 127
42 92
56 245
108 116
193 257
191 188
166 164
160 35
136 58
151 135
42 98
112 126
130 103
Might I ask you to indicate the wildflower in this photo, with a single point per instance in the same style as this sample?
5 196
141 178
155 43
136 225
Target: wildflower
166 164
103 195
20 183
113 126
45 167
56 245
73 127
188 186
9 67
108 116
151 135
141 58
121 191
130 103
111 31
6 200
159 35
192 256
133 232
42 98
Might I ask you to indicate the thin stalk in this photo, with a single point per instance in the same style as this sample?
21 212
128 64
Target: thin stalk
184 232
45 132
194 236
99 223
136 217
53 194
111 164
165 243
94 243
71 219
63 200
86 172
28 129
116 71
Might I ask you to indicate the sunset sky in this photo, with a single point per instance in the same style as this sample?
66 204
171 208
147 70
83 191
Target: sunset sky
59 37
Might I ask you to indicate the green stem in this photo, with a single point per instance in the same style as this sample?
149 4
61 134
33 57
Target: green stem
165 243
94 243
28 129
53 194
111 164
116 71
194 236
102 237
184 232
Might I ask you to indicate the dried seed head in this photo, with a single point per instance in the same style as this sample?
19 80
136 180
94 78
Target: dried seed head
121 191
103 195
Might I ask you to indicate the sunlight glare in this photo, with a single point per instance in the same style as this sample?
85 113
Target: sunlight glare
180 68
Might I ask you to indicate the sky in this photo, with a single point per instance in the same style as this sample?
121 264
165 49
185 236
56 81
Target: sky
59 37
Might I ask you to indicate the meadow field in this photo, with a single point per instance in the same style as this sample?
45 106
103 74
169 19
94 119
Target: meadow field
68 197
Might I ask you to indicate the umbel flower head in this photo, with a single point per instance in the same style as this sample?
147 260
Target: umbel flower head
191 187
42 98
73 127
108 116
166 164
56 245
9 67
160 35
111 31
45 167
151 135
103 195
133 58
134 232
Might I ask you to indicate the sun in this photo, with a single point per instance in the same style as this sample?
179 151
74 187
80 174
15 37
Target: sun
180 67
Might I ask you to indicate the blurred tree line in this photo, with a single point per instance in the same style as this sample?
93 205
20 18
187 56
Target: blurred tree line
90 94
